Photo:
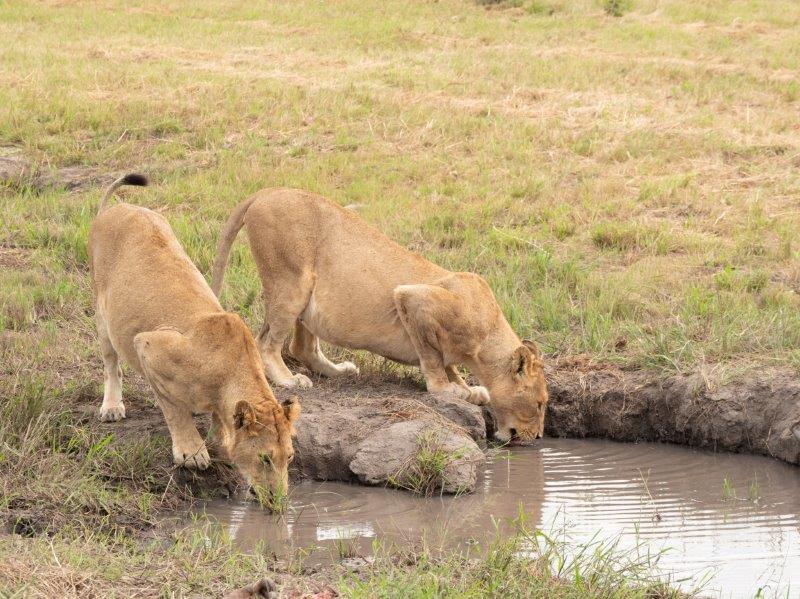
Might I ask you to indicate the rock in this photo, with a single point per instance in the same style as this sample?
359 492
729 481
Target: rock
357 564
325 444
262 589
347 432
466 415
392 455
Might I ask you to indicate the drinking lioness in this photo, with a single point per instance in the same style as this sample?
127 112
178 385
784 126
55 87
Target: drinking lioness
334 277
155 311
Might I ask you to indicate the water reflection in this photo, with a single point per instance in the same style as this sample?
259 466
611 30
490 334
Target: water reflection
735 516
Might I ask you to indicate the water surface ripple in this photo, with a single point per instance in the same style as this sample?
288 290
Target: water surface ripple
733 518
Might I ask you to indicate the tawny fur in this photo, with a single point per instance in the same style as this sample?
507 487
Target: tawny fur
332 276
155 312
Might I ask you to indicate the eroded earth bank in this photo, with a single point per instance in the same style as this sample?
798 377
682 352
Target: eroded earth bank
381 431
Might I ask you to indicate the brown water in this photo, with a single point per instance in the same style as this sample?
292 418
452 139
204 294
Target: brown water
738 537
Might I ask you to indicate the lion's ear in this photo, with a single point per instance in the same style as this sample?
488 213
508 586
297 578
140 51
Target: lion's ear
243 414
520 360
291 409
537 354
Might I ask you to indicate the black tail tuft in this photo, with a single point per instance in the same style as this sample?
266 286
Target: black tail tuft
135 179
131 179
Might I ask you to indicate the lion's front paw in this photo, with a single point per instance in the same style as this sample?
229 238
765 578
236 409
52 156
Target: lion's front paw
298 381
478 396
347 368
453 392
196 460
111 413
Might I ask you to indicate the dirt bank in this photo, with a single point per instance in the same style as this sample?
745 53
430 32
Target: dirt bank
757 414
20 171
369 431
365 430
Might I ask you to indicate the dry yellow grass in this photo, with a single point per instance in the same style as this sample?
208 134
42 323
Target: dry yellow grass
630 186
603 173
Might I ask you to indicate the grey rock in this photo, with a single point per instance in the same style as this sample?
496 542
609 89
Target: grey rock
325 444
466 415
386 454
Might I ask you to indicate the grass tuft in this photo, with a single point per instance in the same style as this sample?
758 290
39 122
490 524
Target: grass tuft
628 237
728 490
276 500
617 8
425 472
531 563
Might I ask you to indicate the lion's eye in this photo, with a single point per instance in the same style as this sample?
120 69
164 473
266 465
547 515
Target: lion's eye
265 459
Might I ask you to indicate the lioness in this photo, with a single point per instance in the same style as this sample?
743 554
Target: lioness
334 277
155 311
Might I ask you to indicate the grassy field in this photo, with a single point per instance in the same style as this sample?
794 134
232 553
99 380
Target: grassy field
629 185
202 562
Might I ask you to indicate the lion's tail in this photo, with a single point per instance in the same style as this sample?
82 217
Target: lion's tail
229 232
129 179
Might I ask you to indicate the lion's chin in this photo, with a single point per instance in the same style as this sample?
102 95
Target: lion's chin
519 442
525 440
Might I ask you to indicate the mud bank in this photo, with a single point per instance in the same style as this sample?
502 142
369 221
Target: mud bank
759 414
369 430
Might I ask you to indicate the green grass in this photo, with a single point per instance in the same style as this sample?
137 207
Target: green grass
85 563
728 490
594 170
628 186
754 491
276 501
58 470
178 563
426 471
530 564
616 8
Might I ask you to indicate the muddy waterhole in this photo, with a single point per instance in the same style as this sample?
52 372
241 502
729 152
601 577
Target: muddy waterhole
729 522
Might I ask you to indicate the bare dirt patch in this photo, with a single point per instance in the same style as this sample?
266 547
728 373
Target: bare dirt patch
20 171
14 258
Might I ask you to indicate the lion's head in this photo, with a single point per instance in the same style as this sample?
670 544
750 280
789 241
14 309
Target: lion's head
261 448
519 396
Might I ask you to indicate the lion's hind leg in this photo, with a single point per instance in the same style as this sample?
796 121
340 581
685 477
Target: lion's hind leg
305 347
285 300
112 408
